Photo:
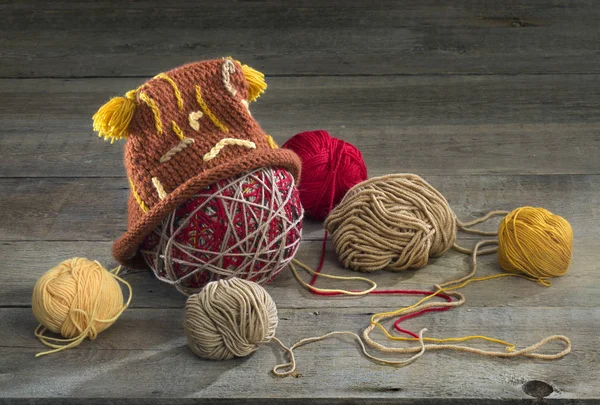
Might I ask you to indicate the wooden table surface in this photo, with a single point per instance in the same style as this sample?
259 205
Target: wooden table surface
494 103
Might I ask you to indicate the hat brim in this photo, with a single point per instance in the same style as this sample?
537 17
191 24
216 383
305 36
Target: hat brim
126 248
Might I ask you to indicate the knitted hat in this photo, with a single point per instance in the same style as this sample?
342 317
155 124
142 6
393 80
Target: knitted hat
186 129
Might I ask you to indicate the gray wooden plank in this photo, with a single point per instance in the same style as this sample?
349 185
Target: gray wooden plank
341 37
24 262
145 355
427 125
354 400
282 401
94 209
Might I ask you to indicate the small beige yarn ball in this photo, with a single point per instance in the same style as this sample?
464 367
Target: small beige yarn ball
229 318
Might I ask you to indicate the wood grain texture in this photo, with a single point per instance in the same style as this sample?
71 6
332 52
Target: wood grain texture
24 262
494 103
148 350
95 209
426 125
327 38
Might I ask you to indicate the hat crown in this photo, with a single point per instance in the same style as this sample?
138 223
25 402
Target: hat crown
186 129
189 120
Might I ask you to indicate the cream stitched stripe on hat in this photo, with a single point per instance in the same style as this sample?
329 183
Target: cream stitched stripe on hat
228 68
224 142
159 188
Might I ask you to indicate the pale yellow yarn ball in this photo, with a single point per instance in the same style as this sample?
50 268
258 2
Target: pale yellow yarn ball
536 242
68 298
229 318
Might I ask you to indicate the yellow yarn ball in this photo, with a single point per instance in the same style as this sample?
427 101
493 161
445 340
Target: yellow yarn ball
536 242
77 299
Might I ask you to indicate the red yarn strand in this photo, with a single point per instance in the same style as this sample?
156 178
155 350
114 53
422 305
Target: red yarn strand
323 157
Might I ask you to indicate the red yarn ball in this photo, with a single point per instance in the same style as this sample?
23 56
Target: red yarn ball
248 226
330 167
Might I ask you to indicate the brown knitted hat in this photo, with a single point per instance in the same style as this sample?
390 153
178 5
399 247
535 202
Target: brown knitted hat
186 129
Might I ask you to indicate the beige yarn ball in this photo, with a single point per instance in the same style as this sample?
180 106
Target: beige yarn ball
392 222
229 318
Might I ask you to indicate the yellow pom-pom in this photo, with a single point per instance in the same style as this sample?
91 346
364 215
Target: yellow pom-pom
77 299
536 242
113 118
256 82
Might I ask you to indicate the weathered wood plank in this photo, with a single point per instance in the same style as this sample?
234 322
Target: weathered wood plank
495 104
353 400
425 125
145 355
341 37
24 262
95 209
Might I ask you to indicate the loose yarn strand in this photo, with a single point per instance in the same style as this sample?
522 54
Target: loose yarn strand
476 252
372 290
422 306
451 286
317 273
466 226
292 363
313 289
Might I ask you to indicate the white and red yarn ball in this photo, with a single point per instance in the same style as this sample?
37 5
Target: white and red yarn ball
248 226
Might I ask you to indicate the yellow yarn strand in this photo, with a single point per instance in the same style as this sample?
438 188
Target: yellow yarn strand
376 317
55 289
168 79
137 197
155 112
113 118
207 111
177 130
404 309
448 287
272 142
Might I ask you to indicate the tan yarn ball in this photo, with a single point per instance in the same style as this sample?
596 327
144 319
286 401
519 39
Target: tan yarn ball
536 242
393 222
77 295
229 318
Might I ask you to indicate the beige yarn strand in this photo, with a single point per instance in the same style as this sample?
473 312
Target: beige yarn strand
397 222
466 227
418 350
474 253
291 365
526 352
330 276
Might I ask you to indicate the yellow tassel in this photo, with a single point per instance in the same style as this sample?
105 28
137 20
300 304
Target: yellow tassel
113 118
256 82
